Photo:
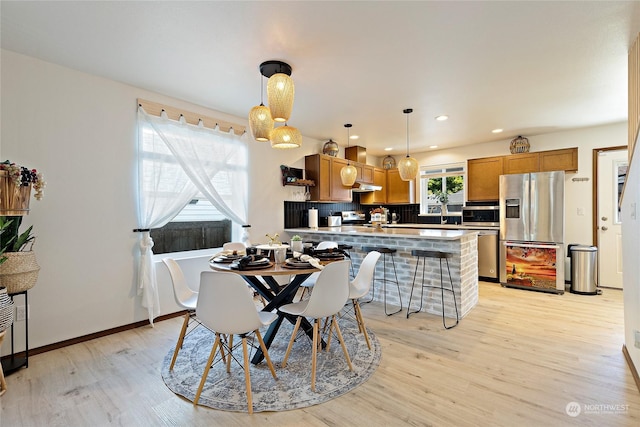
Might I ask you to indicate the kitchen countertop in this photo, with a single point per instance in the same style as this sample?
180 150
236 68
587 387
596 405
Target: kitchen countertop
407 232
443 226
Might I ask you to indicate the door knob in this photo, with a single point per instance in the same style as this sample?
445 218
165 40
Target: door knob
604 218
604 228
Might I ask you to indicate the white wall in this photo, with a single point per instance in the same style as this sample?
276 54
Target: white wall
80 131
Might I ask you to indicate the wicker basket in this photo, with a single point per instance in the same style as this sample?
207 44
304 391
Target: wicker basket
519 145
6 310
19 272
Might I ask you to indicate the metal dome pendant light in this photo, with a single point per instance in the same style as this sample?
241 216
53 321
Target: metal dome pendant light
349 173
280 89
286 137
408 166
260 121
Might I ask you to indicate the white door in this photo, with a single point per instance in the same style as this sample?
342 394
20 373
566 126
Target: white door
612 171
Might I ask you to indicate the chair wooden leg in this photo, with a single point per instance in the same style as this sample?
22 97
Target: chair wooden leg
344 347
3 383
266 354
355 310
314 354
327 320
363 329
183 331
247 375
216 343
229 358
293 338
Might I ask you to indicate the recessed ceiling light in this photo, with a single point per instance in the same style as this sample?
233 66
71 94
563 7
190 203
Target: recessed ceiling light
388 149
433 146
497 130
441 118
354 137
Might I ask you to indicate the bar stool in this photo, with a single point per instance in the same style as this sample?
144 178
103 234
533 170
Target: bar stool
385 251
422 254
347 249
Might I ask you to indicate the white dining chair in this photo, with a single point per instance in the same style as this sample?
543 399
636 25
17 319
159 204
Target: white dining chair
185 297
328 296
311 280
360 286
225 308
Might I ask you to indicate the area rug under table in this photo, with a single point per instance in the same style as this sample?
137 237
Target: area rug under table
292 390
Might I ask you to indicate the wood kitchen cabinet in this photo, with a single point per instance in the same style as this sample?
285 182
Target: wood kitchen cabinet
398 191
376 197
325 171
365 173
483 178
559 160
522 163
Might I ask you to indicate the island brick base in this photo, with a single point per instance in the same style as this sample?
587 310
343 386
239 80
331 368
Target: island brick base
463 265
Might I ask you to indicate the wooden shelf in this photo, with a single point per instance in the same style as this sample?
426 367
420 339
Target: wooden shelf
302 183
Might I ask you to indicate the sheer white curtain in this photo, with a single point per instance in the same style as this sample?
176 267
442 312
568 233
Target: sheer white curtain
176 161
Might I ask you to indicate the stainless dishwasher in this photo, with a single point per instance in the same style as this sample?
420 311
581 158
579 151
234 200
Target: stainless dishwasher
488 254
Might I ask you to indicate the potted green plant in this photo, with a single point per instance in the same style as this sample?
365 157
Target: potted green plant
296 243
18 266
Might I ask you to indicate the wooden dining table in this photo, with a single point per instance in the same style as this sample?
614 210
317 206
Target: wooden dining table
264 281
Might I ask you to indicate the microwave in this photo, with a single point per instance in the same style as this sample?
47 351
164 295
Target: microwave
481 215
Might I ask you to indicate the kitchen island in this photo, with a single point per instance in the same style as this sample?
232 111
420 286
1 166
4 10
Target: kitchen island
464 263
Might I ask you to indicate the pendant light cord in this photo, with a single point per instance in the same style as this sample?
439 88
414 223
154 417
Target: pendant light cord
348 126
407 112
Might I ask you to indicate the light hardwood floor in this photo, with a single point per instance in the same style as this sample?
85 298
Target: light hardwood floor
517 359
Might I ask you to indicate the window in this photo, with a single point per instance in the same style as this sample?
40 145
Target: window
193 184
442 180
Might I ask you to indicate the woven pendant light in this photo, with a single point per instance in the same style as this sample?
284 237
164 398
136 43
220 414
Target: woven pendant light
286 137
408 166
260 121
280 93
349 173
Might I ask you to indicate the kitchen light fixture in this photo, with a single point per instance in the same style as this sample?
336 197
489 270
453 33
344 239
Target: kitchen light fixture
442 118
497 130
286 137
349 173
280 89
260 121
408 166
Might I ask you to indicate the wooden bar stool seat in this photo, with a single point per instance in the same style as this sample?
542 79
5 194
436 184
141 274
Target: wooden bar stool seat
423 255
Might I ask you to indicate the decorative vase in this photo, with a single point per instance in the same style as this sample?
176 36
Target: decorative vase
296 245
6 310
19 272
14 200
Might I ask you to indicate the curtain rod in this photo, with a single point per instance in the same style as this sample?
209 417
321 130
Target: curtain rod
155 109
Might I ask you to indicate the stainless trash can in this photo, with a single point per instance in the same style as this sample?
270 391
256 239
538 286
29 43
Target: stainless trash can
583 269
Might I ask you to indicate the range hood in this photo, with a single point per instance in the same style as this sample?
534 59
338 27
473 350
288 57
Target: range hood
361 187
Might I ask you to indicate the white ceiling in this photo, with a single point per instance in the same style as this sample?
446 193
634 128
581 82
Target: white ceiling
527 67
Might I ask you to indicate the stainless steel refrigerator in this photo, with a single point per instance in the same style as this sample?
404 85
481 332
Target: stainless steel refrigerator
532 231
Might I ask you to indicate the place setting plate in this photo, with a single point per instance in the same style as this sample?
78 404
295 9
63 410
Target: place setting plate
226 259
254 265
296 263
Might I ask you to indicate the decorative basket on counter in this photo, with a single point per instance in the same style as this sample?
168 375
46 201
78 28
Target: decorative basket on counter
19 272
518 145
6 310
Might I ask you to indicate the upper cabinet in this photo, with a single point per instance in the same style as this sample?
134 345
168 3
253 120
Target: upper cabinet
483 178
325 171
483 175
380 196
521 163
398 191
559 160
365 173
